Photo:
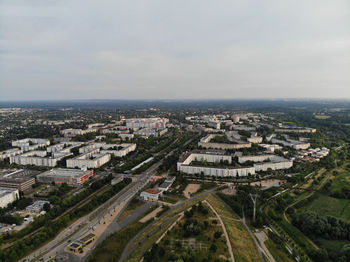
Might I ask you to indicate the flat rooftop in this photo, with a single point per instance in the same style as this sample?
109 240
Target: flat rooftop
6 191
64 172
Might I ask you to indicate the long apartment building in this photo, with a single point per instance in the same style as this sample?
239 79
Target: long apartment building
205 142
29 144
265 162
92 159
38 158
118 150
154 122
185 165
291 143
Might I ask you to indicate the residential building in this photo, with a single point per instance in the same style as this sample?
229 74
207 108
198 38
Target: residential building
7 196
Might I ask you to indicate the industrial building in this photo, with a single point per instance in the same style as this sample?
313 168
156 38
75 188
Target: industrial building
7 196
23 180
65 175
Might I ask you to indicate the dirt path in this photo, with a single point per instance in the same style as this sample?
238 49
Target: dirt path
262 237
225 232
151 215
190 189
172 225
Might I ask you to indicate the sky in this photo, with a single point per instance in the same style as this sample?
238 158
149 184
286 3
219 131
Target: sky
174 49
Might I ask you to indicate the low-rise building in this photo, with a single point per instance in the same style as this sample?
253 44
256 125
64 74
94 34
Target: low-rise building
151 194
87 239
65 175
37 206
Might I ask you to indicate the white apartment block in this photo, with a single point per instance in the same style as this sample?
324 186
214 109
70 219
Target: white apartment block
118 150
184 165
137 123
37 158
147 132
88 160
291 143
264 162
29 144
205 143
10 152
255 139
7 196
71 132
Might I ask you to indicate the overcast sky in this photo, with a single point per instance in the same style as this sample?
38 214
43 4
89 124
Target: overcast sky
64 49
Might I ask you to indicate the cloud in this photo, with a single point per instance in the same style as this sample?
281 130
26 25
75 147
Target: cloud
174 49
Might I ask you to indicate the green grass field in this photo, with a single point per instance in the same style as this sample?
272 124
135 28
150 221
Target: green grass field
243 246
111 248
340 181
329 206
277 253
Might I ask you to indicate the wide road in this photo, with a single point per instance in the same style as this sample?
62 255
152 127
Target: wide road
56 247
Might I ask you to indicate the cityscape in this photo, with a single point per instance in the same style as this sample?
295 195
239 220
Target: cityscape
163 184
174 131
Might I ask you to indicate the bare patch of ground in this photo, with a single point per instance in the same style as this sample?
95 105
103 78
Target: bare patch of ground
190 189
262 237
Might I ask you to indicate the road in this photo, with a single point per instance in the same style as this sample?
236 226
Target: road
86 224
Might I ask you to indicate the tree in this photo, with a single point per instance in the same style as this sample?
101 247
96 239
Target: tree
213 248
217 234
47 207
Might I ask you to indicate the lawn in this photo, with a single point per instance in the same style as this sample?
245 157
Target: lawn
177 242
329 206
340 181
111 248
242 244
145 241
277 253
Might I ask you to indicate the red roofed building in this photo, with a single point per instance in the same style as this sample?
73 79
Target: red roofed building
151 194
